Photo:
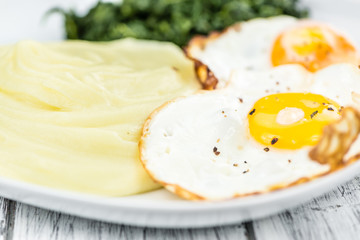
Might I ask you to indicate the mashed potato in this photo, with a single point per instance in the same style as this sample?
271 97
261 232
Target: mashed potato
71 113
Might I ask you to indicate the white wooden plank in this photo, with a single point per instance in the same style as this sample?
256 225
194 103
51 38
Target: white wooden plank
335 215
3 222
34 223
7 209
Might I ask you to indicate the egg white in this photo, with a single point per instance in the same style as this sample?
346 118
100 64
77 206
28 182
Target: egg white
247 47
201 143
180 142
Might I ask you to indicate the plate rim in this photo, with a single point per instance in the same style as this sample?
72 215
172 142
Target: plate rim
321 184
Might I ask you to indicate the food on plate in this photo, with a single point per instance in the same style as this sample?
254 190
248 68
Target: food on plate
71 112
261 44
261 133
175 21
339 140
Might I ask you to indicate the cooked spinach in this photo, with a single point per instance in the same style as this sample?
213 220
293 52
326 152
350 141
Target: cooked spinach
168 20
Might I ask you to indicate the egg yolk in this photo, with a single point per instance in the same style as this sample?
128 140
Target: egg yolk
313 46
291 120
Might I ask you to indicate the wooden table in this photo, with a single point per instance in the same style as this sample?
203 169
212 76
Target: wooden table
335 215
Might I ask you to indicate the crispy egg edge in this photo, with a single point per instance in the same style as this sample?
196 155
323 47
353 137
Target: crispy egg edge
203 72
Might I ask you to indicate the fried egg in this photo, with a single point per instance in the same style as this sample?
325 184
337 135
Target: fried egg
261 44
261 133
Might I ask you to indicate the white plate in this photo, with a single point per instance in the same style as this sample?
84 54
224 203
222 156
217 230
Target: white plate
162 209
21 20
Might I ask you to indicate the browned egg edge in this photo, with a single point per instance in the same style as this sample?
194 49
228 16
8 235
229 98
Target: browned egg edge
204 74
